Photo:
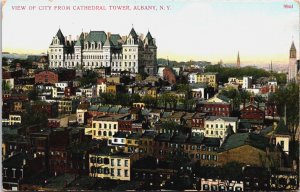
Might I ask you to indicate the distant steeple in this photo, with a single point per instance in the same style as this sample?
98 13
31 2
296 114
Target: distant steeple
238 63
293 51
271 67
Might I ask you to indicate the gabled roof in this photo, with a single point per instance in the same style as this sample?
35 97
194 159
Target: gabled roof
115 39
241 139
133 33
96 36
60 36
108 42
228 119
150 39
79 42
281 129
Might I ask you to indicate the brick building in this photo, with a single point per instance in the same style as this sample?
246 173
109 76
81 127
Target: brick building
169 75
46 77
219 105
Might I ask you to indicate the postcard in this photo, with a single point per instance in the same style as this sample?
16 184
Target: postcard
150 95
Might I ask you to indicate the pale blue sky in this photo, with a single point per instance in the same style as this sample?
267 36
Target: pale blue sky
196 29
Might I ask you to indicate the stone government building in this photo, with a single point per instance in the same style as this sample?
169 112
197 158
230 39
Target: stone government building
133 53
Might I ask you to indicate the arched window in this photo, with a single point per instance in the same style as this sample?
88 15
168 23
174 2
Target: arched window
104 133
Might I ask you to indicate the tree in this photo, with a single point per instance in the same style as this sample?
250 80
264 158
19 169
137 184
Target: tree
31 117
149 101
166 98
288 97
5 86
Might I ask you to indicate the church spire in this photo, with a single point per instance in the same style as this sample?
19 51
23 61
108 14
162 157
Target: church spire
293 51
238 63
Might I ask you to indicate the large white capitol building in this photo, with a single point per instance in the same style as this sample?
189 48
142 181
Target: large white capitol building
96 49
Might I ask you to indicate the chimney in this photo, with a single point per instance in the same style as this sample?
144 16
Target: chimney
108 34
251 99
142 36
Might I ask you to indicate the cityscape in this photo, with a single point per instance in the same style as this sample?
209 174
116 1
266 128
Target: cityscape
121 110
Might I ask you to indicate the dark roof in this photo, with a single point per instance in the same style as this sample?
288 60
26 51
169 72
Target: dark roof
134 136
96 36
121 134
15 161
133 33
196 139
293 46
150 39
149 134
281 129
179 138
163 137
230 119
212 142
60 36
115 38
241 139
79 42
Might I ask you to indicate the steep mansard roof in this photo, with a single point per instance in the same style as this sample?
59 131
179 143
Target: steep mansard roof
96 36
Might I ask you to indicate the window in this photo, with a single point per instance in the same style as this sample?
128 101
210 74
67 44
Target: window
112 172
205 187
119 162
126 163
119 172
282 143
112 162
203 156
126 173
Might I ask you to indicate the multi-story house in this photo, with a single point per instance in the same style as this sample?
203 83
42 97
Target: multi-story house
198 123
99 49
218 105
115 166
81 113
46 77
209 78
220 127
104 127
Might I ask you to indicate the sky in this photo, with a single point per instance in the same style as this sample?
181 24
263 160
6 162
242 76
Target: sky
208 30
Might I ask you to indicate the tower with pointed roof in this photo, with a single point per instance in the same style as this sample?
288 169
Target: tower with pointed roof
292 72
238 63
150 50
56 50
97 49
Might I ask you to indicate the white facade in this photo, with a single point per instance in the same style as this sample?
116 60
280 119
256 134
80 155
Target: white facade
98 49
101 88
247 82
192 77
102 129
221 185
283 141
80 115
12 120
89 92
219 127
61 85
